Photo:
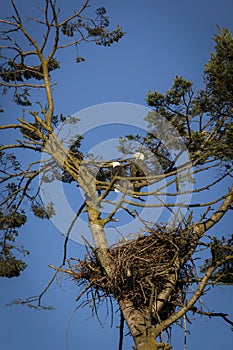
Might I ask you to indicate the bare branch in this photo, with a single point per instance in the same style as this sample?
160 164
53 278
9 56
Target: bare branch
70 229
18 85
211 314
17 12
218 214
75 15
189 304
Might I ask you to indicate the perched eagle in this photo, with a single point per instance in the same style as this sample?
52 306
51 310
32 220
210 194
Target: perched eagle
139 156
136 170
117 170
103 175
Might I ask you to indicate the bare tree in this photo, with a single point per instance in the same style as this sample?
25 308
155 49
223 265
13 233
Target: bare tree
153 277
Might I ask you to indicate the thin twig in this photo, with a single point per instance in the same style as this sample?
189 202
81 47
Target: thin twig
121 331
69 231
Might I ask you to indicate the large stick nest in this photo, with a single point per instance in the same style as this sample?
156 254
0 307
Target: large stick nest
143 264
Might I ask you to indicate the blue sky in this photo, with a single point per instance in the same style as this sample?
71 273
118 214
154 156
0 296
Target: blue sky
163 39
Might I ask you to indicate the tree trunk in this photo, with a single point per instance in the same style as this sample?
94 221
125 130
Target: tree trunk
141 329
148 342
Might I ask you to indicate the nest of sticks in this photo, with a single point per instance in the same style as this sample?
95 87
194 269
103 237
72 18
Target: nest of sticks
141 265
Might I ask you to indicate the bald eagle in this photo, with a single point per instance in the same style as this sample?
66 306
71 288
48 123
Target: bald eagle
103 175
117 170
139 156
136 170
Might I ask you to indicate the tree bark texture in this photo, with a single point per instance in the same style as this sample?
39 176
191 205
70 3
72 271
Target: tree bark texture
142 331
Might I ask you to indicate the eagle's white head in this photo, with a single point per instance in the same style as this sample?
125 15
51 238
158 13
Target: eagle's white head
114 164
139 156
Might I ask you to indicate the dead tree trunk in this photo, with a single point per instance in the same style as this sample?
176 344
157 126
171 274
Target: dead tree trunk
141 328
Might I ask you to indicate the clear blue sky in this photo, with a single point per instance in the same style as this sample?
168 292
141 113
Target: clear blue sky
163 39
